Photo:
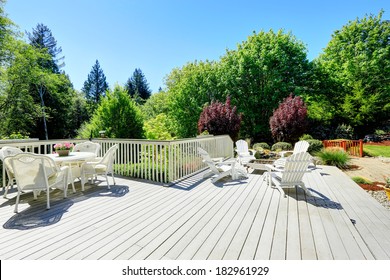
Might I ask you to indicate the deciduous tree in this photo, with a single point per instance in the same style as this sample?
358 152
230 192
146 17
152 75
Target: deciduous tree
264 69
118 115
358 59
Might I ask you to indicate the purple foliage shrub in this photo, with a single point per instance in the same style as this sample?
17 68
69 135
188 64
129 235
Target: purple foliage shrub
219 118
289 120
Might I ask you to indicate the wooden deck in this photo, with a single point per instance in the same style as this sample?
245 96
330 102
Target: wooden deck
196 219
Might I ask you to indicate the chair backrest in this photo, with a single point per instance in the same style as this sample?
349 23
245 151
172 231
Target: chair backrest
109 157
301 146
295 167
242 146
87 146
7 151
208 160
32 170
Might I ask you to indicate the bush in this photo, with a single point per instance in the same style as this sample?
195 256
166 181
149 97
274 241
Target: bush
343 131
118 115
305 137
15 135
315 146
289 120
264 154
219 119
281 146
261 145
158 128
334 156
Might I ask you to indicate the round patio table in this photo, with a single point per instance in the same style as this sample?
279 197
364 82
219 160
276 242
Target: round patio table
72 160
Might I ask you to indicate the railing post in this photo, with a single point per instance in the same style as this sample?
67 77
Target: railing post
170 163
344 145
361 147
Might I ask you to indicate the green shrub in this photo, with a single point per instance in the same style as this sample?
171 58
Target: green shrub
314 146
281 146
361 180
305 137
343 131
334 156
261 145
264 154
15 135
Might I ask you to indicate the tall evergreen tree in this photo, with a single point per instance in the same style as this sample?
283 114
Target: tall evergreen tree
42 38
95 86
138 87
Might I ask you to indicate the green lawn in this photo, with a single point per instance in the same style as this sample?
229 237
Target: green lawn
375 151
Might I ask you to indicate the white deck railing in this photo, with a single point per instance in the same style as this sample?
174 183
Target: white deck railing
160 161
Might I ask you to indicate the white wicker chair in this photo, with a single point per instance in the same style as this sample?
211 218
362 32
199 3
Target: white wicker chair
87 146
36 173
7 151
102 167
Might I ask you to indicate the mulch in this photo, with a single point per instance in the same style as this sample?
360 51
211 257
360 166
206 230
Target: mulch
375 186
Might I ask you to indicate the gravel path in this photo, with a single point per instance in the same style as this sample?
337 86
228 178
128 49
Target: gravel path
375 169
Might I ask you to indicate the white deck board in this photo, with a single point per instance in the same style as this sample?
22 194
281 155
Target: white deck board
195 219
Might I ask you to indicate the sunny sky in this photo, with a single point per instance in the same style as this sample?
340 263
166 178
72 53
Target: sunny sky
157 36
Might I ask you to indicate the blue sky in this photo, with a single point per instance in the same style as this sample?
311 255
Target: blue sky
157 36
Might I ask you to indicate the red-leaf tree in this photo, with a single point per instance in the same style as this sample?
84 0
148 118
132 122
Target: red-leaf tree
289 120
219 118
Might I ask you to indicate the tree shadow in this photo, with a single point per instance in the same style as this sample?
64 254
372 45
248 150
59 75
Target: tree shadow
37 216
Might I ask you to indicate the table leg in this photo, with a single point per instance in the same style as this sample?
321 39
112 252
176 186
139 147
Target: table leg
71 177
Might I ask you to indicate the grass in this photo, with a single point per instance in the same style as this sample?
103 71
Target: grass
361 180
376 151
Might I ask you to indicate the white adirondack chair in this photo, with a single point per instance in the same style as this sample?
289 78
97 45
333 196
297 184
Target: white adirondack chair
292 173
7 151
37 173
220 169
243 153
299 147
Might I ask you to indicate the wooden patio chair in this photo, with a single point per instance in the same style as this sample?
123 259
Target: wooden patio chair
299 147
220 169
291 174
244 154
